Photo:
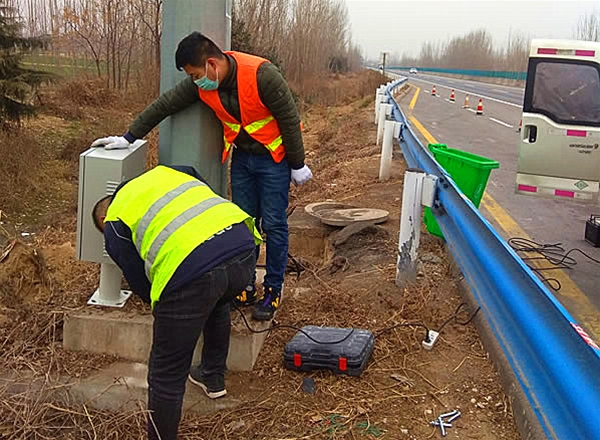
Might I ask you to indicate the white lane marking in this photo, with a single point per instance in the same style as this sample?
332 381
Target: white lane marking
500 122
451 102
478 83
471 110
473 93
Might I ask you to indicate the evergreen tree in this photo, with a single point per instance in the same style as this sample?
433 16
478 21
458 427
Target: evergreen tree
17 83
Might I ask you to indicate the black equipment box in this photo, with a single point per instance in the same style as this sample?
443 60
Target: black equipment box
345 351
592 230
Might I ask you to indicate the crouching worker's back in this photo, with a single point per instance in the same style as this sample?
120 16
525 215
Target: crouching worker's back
187 252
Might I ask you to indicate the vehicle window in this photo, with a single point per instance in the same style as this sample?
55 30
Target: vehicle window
566 92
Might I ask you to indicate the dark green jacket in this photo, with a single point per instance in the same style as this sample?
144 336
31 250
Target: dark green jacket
273 91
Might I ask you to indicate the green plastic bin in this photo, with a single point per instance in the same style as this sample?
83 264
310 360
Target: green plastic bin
470 173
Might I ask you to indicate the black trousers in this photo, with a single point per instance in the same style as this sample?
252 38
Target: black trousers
203 306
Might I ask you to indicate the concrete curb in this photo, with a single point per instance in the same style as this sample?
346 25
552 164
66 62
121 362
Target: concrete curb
120 386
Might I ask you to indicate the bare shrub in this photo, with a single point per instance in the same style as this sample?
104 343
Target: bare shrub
88 92
20 161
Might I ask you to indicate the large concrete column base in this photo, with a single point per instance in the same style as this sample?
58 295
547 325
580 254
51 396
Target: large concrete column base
128 336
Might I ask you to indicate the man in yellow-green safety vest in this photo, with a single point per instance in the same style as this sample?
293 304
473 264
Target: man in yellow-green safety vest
188 253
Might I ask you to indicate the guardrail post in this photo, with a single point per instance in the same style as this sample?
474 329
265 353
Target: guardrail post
410 227
380 92
385 110
391 130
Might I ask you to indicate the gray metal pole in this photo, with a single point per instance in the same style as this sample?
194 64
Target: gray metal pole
193 136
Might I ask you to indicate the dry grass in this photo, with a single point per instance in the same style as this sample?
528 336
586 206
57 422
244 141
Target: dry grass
335 90
51 416
40 160
21 156
87 92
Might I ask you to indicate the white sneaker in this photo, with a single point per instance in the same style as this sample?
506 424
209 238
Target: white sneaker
212 392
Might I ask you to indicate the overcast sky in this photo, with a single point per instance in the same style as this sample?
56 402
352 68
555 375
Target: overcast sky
403 25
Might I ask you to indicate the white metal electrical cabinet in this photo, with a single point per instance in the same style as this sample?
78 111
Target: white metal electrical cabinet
100 173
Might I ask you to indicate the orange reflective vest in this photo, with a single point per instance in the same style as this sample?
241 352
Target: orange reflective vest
257 120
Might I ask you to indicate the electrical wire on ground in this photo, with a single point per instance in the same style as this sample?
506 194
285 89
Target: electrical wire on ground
377 334
553 253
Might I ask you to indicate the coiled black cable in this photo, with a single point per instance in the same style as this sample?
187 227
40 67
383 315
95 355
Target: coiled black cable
553 253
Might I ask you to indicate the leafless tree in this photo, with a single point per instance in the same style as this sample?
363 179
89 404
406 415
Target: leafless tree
121 38
588 27
473 51
516 53
306 37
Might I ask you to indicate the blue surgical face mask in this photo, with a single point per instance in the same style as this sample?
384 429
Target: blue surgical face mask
207 84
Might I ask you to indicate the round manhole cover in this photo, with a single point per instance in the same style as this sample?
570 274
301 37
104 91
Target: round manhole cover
344 217
318 208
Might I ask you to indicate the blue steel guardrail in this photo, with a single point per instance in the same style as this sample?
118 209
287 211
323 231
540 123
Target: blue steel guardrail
505 74
558 371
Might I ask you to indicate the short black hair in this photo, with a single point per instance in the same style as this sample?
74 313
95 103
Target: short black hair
100 204
194 50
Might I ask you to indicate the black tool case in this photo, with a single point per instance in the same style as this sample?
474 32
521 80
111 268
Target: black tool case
592 230
347 357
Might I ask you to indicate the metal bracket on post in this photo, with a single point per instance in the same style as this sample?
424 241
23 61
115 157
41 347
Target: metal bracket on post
428 193
385 164
400 133
383 99
378 96
419 189
109 293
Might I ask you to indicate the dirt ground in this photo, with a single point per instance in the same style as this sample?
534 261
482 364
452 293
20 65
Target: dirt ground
403 386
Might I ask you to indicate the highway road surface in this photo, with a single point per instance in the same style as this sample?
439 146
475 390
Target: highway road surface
494 135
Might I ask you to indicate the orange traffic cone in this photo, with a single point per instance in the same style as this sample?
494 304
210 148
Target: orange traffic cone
452 96
466 104
433 93
479 110
520 125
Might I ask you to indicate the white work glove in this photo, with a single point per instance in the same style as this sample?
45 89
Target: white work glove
112 143
301 176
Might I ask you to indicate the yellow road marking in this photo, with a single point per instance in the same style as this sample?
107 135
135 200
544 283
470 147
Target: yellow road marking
428 136
584 311
413 101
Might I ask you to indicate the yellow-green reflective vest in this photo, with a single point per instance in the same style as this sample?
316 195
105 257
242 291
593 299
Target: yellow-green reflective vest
170 214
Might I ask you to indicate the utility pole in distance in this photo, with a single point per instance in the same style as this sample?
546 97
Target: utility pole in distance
384 54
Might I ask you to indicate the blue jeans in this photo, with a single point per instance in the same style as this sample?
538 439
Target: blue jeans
200 306
261 188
